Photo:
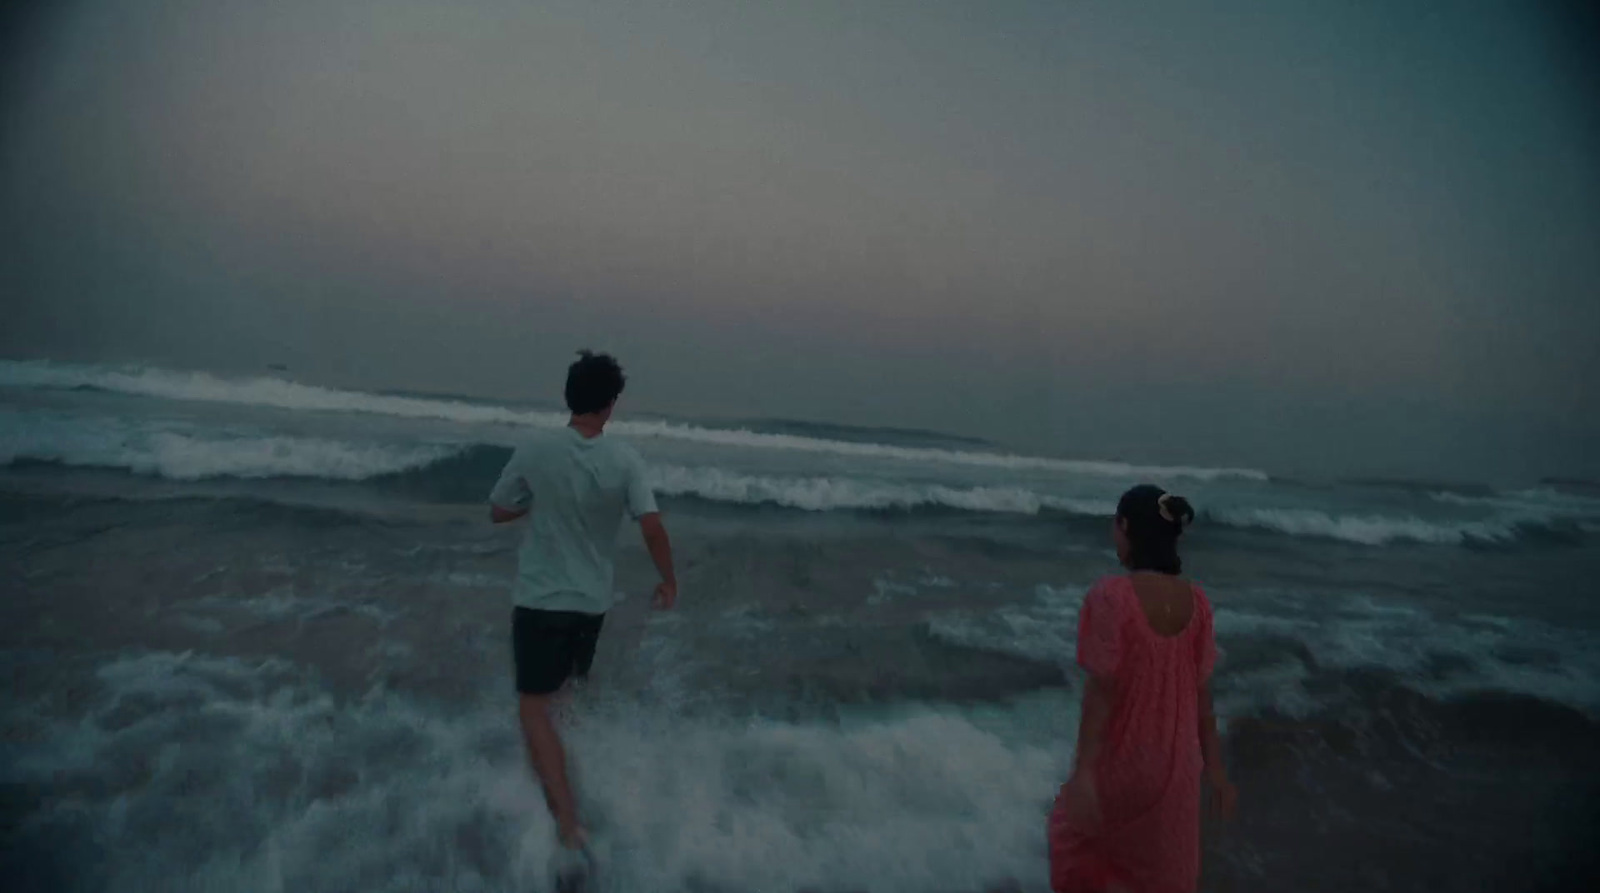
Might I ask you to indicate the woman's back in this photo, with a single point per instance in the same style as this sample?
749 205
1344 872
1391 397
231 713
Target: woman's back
1149 640
1168 601
1165 653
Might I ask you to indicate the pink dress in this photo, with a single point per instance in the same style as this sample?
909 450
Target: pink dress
1148 771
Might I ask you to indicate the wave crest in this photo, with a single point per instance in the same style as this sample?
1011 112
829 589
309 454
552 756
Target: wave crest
459 472
1382 530
820 494
188 456
280 394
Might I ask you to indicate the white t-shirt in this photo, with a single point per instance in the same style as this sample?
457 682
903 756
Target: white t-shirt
576 488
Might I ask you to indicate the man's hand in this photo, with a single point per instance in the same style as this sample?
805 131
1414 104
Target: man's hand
655 540
501 515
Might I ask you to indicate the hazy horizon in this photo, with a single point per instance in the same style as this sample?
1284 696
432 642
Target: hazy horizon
1335 241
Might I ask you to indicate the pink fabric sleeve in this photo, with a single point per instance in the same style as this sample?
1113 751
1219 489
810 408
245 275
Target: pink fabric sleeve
1099 633
1205 640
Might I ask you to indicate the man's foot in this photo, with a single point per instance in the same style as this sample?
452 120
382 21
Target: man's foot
574 868
574 878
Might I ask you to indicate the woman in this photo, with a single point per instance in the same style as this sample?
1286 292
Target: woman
1129 818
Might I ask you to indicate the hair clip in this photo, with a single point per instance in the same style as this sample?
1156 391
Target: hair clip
1161 506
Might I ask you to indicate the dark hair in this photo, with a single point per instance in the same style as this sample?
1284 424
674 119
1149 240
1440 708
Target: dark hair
1154 520
593 382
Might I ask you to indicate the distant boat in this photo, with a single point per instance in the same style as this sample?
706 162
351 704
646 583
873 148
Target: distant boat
277 367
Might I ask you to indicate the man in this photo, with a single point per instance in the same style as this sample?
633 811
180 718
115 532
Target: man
573 485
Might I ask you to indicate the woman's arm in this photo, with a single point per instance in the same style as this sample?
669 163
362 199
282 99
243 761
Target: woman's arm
1210 744
1223 793
1080 794
1092 726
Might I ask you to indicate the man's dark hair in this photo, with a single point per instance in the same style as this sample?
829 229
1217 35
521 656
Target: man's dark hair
593 382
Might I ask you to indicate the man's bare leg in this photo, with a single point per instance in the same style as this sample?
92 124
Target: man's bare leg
549 760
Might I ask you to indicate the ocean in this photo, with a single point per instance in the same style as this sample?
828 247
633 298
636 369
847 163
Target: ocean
256 633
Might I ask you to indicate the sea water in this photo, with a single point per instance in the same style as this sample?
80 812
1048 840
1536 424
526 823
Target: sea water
256 633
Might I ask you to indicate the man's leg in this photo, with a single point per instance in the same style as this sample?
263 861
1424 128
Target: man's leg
549 759
543 645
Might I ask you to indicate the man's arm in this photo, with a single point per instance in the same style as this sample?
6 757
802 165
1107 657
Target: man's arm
511 498
655 540
502 515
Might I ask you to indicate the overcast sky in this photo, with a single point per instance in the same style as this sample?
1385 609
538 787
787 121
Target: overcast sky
1320 238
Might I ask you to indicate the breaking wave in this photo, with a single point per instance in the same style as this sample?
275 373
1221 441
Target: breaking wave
288 395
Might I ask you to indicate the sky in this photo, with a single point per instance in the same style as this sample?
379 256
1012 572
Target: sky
1319 238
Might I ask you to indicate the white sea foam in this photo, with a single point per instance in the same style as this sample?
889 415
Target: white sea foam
195 773
820 494
1043 630
1540 501
285 603
1346 632
1441 657
181 451
281 394
186 454
1373 530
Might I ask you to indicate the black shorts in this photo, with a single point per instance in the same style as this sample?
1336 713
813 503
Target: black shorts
551 646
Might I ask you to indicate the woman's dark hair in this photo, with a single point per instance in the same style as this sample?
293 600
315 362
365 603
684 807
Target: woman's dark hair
593 382
1154 520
